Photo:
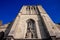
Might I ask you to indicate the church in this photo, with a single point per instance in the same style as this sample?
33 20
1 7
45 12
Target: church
31 23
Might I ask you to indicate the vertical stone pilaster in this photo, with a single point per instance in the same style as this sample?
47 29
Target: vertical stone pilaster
38 31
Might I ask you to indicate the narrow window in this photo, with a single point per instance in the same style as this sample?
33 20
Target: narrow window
28 10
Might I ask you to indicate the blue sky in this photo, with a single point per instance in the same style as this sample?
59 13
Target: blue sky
10 8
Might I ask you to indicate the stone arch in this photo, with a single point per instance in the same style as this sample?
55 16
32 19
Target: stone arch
31 29
30 20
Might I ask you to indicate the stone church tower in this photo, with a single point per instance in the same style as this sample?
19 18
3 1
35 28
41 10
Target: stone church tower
32 22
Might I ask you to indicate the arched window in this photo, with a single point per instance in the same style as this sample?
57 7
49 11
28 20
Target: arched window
31 29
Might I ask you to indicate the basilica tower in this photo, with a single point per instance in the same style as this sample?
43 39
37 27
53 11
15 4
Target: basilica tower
32 22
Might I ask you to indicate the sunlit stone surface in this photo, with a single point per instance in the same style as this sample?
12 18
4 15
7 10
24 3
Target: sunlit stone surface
32 22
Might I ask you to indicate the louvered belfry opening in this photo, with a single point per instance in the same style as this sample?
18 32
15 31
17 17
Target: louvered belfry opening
31 10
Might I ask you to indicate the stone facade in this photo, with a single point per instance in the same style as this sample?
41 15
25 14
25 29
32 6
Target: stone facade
0 22
32 22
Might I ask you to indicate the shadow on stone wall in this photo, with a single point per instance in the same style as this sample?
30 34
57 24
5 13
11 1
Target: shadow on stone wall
8 29
1 35
43 29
